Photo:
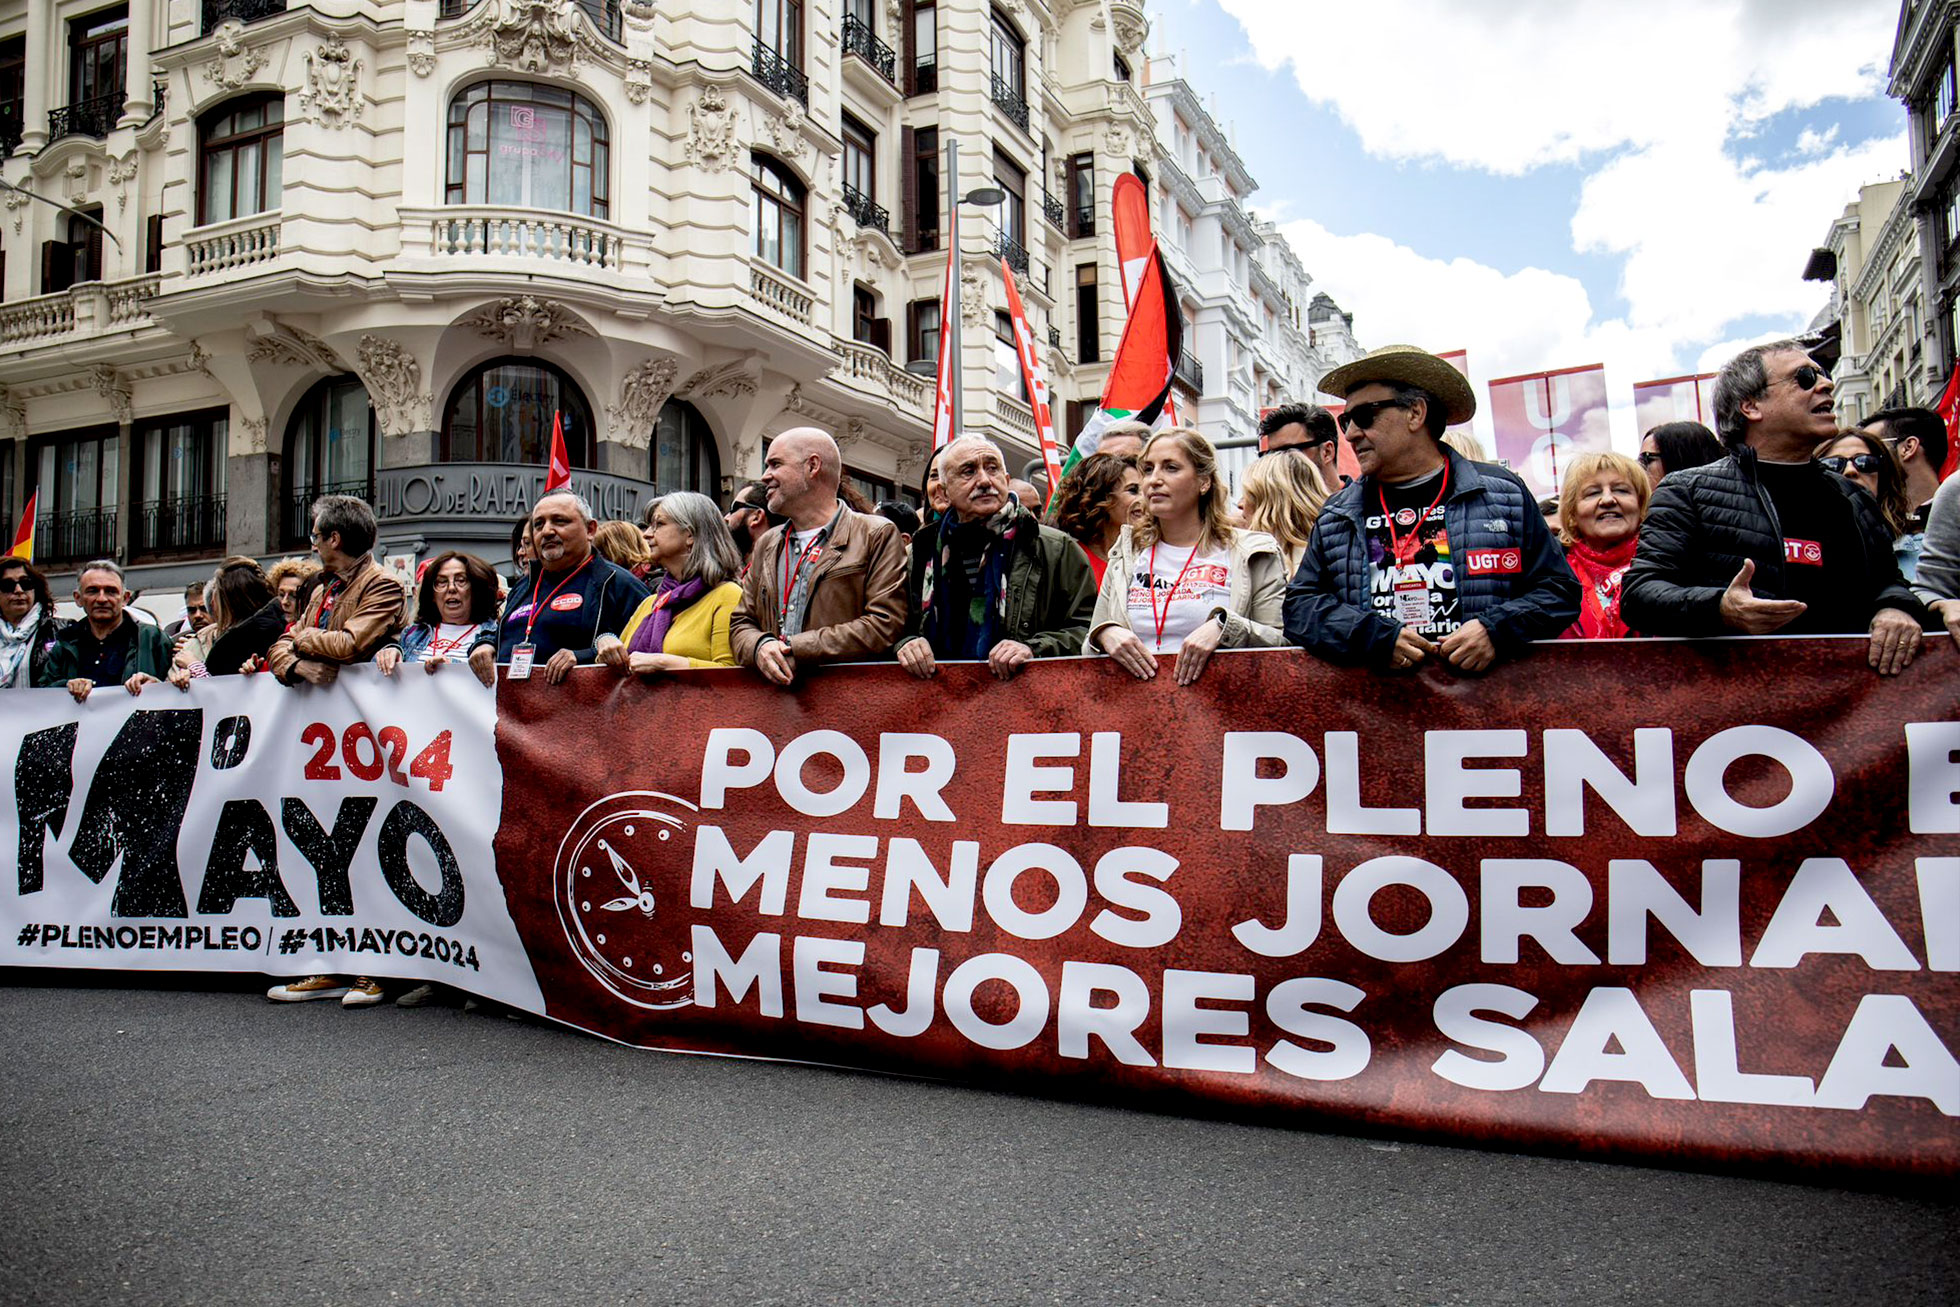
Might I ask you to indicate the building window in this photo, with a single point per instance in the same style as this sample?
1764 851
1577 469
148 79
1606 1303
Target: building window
1088 316
1121 67
779 26
1081 196
329 449
922 216
501 412
243 159
778 214
77 257
178 498
13 84
1013 179
1942 101
529 146
98 52
860 159
1007 359
78 476
922 332
876 490
684 456
925 47
1008 54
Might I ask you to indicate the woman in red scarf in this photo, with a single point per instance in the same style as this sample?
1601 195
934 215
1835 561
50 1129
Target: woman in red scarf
1600 509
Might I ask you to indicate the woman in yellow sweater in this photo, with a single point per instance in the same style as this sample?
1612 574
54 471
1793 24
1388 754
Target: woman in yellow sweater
685 623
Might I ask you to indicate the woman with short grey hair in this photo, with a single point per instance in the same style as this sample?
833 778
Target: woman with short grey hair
685 624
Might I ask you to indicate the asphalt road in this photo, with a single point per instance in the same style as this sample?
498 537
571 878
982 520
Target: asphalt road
195 1144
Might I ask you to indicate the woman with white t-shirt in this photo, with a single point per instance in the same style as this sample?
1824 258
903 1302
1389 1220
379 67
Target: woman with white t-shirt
1186 581
455 598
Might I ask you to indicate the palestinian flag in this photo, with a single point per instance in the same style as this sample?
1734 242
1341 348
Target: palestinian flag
1139 384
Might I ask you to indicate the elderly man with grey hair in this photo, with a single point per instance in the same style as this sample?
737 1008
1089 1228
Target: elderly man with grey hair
828 586
564 604
1766 540
107 647
989 581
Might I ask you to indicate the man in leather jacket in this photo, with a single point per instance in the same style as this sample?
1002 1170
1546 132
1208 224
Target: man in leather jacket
1766 540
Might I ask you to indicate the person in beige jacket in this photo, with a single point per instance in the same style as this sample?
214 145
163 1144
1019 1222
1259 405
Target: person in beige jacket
829 585
1186 581
352 615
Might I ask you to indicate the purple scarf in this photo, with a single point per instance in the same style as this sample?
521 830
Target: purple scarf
670 599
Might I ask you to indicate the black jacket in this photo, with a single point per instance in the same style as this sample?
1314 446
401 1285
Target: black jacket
1704 521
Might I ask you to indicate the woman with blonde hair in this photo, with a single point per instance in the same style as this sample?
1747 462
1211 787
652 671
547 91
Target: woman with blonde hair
1282 497
1184 580
623 545
1600 509
286 577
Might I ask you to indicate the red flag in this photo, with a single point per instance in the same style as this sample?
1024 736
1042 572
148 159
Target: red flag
560 473
24 537
1037 378
949 367
1949 410
1129 210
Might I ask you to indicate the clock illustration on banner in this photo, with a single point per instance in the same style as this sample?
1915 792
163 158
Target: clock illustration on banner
620 881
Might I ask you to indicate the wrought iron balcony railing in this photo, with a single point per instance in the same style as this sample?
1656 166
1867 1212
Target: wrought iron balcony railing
76 536
864 212
776 73
1052 209
299 503
193 523
91 117
245 11
1054 336
1016 254
861 41
1011 102
1190 371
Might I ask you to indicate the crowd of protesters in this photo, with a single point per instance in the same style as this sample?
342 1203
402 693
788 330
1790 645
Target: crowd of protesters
1781 523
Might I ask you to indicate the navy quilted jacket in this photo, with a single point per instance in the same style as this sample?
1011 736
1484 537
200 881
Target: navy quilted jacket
1704 521
1511 574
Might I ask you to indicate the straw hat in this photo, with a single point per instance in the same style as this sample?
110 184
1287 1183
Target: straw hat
1408 366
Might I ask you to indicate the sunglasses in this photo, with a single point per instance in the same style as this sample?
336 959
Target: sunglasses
1364 415
1808 376
1866 463
1648 460
13 584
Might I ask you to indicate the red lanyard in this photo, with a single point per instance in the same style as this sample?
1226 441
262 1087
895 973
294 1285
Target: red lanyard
538 607
1405 551
439 647
333 588
1165 616
789 586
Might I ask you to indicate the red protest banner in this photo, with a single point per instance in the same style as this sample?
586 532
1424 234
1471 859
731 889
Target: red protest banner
1540 420
1717 919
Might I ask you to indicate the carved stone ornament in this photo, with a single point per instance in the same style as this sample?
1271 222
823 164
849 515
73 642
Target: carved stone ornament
786 135
534 36
293 348
394 383
639 13
1117 138
76 176
851 437
333 85
639 80
710 131
199 360
794 402
973 294
421 53
12 413
724 379
15 202
109 384
1131 28
643 391
525 322
254 435
234 64
121 172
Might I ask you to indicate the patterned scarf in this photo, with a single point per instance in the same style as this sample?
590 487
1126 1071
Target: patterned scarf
16 644
670 599
946 608
1599 572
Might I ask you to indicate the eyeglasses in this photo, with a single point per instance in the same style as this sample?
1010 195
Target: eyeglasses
1648 460
1808 376
452 583
1866 463
1364 415
13 584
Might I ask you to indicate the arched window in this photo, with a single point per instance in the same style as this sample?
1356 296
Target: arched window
684 454
243 158
501 413
779 210
329 449
529 146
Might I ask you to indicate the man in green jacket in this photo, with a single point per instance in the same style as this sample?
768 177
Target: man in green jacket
107 647
989 581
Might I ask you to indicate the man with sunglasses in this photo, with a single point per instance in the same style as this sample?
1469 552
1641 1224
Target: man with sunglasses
1766 540
1426 554
1307 430
749 518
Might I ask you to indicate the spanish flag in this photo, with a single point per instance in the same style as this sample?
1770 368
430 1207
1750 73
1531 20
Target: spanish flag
24 536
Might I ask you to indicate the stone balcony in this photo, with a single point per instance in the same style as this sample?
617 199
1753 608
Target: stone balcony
238 246
528 241
868 371
93 308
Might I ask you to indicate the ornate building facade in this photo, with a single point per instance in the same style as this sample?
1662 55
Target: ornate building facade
376 248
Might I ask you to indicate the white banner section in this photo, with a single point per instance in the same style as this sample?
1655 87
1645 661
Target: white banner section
245 826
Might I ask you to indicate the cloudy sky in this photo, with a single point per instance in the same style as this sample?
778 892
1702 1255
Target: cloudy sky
1550 183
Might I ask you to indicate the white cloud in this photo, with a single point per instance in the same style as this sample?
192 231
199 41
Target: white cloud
1654 99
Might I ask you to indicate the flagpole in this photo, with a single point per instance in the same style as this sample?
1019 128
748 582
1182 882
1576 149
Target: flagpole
950 313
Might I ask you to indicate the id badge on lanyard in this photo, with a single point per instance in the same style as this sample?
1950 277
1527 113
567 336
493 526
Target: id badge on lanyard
521 658
1414 605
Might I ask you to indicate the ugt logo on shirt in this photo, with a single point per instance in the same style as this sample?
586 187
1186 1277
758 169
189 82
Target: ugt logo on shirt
1807 552
1493 562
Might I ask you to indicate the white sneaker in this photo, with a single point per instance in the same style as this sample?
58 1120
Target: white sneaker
362 993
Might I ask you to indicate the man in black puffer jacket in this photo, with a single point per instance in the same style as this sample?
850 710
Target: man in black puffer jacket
1766 540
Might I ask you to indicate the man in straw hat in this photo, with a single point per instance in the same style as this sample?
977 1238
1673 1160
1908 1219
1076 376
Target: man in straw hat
1426 554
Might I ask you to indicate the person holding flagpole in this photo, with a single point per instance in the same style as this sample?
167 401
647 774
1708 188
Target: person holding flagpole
1186 581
